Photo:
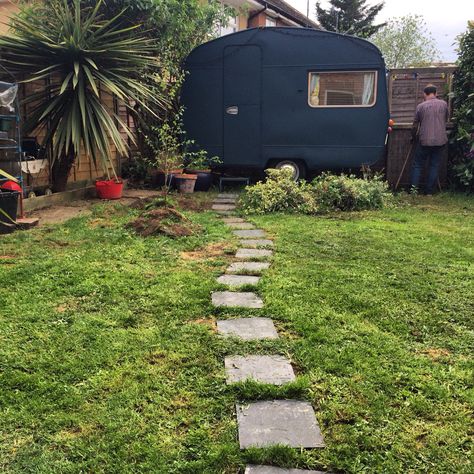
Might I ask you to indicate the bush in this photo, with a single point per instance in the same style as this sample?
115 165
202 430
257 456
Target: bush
278 193
326 193
348 193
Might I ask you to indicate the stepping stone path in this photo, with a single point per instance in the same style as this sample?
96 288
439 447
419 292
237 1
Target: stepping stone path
232 299
274 370
247 267
248 329
253 253
263 423
256 243
276 470
285 422
234 281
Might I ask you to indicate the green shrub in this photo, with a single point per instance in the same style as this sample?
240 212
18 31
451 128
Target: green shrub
326 193
348 193
278 193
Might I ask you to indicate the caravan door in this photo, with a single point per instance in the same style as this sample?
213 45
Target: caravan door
242 105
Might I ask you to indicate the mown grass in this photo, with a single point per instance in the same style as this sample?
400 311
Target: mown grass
109 361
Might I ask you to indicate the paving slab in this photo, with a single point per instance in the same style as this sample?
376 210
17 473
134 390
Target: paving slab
241 225
253 253
286 422
277 470
223 207
228 195
250 234
248 329
235 281
273 369
248 267
233 220
233 299
224 200
256 243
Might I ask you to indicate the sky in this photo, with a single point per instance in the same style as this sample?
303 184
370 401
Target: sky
444 20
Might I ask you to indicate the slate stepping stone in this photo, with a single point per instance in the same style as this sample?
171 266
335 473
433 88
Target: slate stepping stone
248 267
256 243
235 281
233 220
223 207
232 299
287 422
241 225
227 195
224 201
275 370
253 253
250 234
277 470
248 329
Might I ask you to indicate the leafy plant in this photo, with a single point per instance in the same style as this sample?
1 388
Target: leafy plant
462 143
82 54
326 193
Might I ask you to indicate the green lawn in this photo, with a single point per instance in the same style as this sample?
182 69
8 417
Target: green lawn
109 362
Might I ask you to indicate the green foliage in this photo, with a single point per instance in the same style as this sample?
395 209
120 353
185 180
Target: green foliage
462 143
406 42
82 54
352 17
326 193
348 193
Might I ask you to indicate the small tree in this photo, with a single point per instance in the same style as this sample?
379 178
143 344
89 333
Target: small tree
406 42
82 53
353 17
463 91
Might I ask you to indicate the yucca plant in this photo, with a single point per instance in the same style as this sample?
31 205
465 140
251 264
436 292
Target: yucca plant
82 54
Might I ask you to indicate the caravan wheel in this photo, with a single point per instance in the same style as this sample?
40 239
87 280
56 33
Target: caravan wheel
298 169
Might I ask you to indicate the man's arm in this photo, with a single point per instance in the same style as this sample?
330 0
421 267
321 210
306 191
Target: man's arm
416 124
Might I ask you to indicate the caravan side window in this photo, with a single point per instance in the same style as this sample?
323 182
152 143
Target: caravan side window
342 89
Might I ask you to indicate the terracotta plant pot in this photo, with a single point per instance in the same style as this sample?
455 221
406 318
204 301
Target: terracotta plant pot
204 179
186 183
109 189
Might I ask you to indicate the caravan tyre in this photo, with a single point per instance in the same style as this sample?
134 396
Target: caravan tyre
298 169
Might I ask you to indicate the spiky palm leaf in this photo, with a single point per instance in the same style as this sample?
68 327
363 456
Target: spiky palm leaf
82 53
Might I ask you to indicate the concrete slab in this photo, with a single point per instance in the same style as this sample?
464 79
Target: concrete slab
228 195
250 234
277 470
223 207
233 220
235 281
241 225
232 299
248 268
248 329
256 243
274 369
287 422
253 253
224 201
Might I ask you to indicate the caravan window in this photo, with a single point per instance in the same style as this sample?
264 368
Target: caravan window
342 89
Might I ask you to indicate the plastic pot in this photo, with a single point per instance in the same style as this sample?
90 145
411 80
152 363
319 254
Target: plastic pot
186 183
8 206
204 180
109 189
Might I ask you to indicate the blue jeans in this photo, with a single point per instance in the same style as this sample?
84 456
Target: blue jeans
422 154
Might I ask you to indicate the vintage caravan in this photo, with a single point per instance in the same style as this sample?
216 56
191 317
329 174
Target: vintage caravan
300 98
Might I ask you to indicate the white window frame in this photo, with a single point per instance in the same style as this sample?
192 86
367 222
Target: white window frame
361 106
270 22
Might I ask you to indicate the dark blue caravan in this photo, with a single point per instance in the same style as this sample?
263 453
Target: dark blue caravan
273 97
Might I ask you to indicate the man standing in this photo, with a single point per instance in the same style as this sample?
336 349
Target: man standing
430 124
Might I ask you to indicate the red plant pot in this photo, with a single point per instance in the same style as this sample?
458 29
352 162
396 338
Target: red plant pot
109 189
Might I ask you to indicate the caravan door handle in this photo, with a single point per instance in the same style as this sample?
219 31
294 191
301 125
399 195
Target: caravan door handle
232 110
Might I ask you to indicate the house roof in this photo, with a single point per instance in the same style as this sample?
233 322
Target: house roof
290 12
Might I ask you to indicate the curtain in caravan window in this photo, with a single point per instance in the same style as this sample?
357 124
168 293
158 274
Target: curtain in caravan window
314 88
368 92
